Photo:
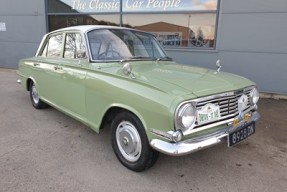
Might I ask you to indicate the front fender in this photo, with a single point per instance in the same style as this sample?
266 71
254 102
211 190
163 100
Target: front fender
153 107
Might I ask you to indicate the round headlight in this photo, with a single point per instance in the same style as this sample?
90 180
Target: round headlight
186 116
254 96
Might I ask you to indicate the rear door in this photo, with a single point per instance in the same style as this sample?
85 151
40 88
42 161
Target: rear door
49 70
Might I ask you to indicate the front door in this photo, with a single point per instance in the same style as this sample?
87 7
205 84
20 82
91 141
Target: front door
74 70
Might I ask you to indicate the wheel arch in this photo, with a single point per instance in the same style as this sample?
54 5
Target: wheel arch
29 80
117 108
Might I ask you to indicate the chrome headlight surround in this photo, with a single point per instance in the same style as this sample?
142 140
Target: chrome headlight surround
254 96
185 116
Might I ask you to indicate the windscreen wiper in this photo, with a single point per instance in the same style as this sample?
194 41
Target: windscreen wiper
140 57
166 58
136 58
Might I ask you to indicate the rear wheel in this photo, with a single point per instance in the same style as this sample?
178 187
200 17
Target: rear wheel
130 143
34 96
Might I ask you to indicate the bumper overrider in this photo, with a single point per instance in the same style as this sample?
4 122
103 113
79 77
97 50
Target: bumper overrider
192 145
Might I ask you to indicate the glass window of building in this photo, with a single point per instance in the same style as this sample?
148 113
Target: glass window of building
177 24
177 30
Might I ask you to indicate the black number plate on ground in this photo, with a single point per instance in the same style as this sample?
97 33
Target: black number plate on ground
241 134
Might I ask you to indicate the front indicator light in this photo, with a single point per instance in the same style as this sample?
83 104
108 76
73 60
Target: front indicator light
246 117
235 122
177 136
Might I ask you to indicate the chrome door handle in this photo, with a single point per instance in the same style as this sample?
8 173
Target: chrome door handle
36 64
57 67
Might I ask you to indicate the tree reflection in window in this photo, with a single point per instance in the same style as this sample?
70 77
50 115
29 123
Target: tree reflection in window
74 47
54 46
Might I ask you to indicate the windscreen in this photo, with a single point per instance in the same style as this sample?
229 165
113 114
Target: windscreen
119 44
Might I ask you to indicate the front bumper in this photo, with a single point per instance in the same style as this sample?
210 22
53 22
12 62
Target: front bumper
198 143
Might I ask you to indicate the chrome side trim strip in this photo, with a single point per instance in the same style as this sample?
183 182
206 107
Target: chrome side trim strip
161 134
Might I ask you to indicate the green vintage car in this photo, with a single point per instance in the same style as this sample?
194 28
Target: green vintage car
121 78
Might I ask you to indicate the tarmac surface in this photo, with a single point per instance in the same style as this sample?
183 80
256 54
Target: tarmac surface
45 150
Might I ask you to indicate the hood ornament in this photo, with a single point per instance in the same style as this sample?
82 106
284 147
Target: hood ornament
218 65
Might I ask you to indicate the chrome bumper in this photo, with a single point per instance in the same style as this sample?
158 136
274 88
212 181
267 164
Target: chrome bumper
18 81
198 143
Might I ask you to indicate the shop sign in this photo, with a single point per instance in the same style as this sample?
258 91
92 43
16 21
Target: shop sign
168 5
141 5
95 5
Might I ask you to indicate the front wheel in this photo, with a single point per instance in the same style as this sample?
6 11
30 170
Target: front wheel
34 96
130 143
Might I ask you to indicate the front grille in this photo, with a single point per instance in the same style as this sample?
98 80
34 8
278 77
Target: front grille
228 103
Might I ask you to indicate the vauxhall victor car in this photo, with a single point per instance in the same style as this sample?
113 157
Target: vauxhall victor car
121 78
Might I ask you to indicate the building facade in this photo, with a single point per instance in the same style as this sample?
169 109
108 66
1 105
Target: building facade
247 36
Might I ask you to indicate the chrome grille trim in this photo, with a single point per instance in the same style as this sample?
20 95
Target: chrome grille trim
229 119
227 103
228 115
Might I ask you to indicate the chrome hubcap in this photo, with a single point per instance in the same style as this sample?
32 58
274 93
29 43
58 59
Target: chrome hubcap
128 141
35 96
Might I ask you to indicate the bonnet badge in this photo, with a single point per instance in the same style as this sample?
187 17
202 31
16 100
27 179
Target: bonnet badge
218 65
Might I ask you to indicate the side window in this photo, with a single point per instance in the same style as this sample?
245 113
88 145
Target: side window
74 46
53 47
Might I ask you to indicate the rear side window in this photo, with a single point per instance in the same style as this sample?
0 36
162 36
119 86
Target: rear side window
53 47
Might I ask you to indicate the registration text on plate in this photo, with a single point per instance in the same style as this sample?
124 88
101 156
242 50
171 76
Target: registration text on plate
208 113
241 134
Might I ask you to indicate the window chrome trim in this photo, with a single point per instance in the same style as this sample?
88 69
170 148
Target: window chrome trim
40 48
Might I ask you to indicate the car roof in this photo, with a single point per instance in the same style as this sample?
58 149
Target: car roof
86 28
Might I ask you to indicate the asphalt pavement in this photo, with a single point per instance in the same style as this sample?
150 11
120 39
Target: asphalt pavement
45 150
